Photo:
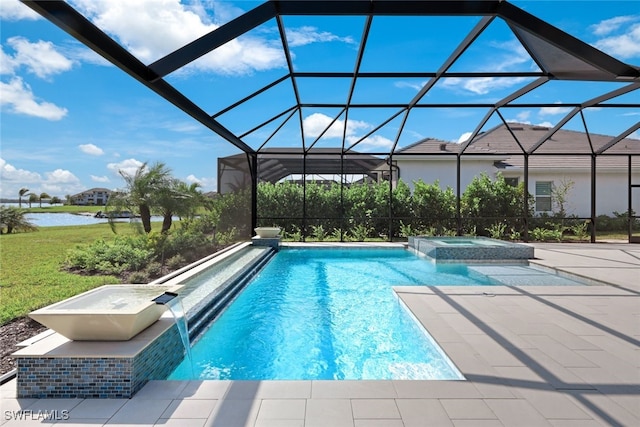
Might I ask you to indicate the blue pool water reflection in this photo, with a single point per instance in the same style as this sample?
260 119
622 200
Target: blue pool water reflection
327 314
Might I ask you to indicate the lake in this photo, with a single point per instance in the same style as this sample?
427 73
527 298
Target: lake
59 219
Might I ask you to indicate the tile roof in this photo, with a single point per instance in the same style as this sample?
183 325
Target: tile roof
565 148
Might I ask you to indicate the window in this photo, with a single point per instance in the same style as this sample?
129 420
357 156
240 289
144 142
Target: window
511 181
543 195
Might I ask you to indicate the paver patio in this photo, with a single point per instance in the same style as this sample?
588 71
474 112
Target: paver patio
532 356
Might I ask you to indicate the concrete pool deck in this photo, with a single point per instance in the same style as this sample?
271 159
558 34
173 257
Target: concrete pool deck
532 356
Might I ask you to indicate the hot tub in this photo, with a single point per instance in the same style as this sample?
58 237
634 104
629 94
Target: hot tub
470 249
107 313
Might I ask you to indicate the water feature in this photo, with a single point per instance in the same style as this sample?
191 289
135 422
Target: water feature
106 313
174 304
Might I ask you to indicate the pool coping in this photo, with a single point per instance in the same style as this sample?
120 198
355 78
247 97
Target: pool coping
520 349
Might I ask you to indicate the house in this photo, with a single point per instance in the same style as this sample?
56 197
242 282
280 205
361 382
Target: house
92 197
563 163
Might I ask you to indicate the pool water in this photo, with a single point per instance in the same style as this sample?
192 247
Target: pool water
328 314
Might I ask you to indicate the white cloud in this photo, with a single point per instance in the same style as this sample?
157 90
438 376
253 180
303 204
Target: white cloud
9 173
610 25
552 111
151 29
193 179
376 141
61 181
17 97
91 149
206 184
411 85
57 183
40 58
506 56
464 137
481 85
315 123
306 35
624 45
7 63
128 166
61 176
95 178
13 10
523 116
634 135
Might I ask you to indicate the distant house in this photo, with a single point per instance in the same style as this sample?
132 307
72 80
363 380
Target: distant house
562 161
92 197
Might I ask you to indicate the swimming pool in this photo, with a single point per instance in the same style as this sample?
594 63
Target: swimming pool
328 314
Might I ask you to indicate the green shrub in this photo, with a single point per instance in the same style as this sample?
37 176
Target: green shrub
176 262
497 230
125 253
153 269
318 233
139 277
546 234
484 201
433 207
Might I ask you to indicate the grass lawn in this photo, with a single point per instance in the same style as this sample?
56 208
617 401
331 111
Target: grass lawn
30 274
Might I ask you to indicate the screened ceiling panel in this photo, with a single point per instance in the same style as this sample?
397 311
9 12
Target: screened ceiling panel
568 92
418 45
318 90
480 90
323 43
444 124
499 50
430 73
559 62
250 113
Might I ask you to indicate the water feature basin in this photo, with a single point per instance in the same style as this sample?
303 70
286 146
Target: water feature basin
107 313
267 232
470 249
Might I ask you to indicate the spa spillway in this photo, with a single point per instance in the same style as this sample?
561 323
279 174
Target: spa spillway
107 313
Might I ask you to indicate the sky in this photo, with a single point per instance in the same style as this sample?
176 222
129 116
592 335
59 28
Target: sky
70 121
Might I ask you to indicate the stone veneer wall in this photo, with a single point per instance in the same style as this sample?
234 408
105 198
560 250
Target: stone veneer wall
99 377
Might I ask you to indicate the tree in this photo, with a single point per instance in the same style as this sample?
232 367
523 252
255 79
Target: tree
43 196
560 196
13 219
142 192
21 193
33 197
55 200
178 199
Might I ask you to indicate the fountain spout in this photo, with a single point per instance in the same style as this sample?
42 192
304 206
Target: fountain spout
165 298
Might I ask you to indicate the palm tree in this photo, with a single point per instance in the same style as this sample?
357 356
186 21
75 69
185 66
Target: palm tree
21 193
43 196
143 190
33 197
13 219
179 199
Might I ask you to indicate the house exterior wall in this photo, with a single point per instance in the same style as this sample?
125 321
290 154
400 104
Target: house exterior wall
611 185
91 197
444 170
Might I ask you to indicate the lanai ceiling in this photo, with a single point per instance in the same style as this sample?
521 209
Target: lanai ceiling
400 102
